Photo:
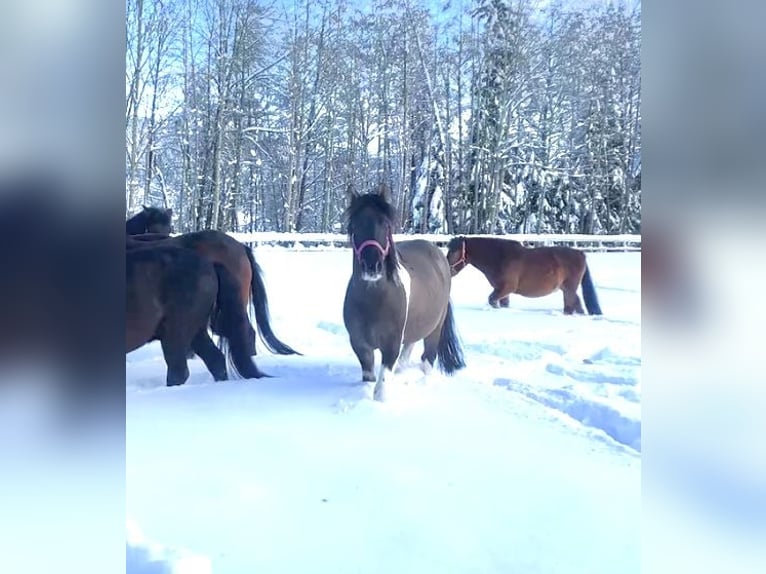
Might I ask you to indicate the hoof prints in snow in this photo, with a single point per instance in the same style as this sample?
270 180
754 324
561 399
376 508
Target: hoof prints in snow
590 413
516 350
588 376
608 356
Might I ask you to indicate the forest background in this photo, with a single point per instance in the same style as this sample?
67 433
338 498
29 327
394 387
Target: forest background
491 116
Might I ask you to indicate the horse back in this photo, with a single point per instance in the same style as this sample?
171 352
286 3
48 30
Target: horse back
424 261
571 259
216 246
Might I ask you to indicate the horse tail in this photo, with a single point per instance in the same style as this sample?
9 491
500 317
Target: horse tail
449 351
230 322
261 304
589 293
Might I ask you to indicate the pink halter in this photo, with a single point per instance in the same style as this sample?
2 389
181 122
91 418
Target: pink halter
371 243
462 256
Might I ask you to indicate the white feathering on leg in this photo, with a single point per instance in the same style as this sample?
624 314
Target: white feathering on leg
384 375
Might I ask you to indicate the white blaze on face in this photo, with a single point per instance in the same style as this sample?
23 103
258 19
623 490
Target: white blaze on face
371 277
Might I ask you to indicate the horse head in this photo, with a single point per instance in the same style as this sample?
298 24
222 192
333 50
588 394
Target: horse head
457 256
158 220
370 228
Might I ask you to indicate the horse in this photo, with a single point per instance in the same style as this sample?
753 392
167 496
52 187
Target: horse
150 220
398 294
218 247
173 295
510 267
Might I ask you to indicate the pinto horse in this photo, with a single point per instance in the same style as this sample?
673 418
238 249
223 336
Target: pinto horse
150 220
238 259
397 295
510 267
172 295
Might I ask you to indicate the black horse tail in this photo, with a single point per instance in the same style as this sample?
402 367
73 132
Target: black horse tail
230 322
449 352
589 293
261 304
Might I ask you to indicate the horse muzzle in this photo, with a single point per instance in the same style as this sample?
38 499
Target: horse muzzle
372 271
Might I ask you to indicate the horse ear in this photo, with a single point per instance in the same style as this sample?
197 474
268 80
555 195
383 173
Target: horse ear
382 191
144 207
351 193
169 211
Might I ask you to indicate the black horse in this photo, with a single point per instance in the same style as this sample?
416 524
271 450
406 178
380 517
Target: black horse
173 295
397 295
150 220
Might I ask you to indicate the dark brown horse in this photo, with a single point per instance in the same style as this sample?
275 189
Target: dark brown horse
218 247
510 267
173 295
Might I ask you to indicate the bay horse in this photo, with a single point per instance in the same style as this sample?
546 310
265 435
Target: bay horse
173 295
510 267
150 220
218 247
397 295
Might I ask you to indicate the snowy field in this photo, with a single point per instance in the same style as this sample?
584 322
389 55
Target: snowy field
526 461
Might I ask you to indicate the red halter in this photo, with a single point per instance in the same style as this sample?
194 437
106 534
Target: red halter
462 257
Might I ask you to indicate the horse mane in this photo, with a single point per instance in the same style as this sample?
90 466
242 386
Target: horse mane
455 243
373 201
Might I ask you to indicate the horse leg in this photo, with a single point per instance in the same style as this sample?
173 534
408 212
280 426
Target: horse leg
175 352
366 358
497 296
505 301
572 302
389 355
404 356
251 338
430 349
210 354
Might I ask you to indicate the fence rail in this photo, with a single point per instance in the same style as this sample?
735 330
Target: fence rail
337 240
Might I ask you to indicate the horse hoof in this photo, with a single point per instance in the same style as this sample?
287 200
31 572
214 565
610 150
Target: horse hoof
379 394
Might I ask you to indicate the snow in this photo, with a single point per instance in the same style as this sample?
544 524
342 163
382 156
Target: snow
526 461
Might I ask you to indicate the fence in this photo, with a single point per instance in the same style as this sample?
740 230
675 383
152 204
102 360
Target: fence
337 240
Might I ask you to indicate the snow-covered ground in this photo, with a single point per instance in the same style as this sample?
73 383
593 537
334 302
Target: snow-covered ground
526 461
